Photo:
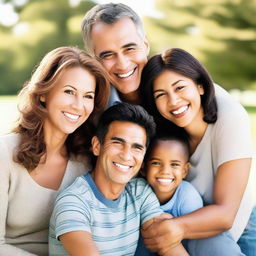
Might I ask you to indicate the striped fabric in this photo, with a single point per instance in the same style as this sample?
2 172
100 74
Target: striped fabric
114 225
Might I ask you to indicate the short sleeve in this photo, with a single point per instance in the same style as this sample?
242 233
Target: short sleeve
190 199
70 214
232 135
150 206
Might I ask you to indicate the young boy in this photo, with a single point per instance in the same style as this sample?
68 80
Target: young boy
166 164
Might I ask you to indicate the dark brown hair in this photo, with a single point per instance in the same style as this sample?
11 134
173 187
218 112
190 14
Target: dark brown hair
181 62
33 112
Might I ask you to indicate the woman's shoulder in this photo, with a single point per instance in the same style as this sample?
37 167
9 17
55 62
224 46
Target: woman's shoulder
9 141
227 105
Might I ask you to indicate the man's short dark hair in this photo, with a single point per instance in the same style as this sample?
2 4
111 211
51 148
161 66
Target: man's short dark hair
126 112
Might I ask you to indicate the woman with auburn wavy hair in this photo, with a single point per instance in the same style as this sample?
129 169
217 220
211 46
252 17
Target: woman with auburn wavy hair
49 147
178 90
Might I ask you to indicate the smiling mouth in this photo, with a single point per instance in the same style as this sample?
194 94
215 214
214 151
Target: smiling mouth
165 181
125 75
122 167
71 116
180 110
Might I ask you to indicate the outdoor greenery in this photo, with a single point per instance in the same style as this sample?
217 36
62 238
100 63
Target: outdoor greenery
43 26
221 33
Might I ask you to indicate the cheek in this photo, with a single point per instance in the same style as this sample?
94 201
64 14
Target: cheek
141 58
161 105
89 106
107 64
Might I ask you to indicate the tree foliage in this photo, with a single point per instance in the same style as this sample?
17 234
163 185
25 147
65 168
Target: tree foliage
43 26
220 33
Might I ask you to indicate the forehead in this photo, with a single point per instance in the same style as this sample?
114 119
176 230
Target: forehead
169 148
167 77
77 77
130 132
114 36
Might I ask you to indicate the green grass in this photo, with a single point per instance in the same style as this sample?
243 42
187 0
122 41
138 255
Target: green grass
252 114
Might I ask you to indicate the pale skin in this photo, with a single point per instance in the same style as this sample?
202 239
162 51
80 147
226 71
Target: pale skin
230 180
123 52
69 104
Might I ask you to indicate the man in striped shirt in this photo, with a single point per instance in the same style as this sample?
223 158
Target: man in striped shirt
102 211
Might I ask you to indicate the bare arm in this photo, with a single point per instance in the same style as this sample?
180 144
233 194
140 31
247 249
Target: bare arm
230 183
179 250
79 243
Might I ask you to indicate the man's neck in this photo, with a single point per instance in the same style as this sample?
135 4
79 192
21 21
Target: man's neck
132 98
108 189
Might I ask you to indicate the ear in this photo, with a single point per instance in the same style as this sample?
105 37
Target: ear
185 170
95 146
200 89
42 98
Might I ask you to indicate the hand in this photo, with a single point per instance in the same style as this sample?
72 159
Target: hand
163 234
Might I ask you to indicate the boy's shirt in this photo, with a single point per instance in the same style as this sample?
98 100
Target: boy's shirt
186 199
114 225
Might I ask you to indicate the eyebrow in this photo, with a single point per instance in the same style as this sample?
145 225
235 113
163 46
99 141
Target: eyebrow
123 47
159 159
174 83
68 85
136 145
118 139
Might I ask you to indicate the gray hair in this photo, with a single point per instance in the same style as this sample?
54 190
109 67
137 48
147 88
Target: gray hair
107 13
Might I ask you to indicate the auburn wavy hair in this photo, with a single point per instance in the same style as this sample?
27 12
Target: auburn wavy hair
33 112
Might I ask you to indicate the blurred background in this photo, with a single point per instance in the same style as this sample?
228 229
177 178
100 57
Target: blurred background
220 33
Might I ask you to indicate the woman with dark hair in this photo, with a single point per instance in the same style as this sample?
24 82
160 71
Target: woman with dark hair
177 89
49 147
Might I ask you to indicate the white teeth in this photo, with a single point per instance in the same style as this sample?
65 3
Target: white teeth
122 166
71 116
126 75
166 181
180 110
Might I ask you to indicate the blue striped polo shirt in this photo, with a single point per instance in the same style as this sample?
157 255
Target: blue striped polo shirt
114 225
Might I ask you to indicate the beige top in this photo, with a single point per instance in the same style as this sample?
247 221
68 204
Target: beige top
26 206
229 138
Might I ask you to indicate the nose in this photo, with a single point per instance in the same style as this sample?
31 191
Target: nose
78 103
173 99
122 62
126 153
166 169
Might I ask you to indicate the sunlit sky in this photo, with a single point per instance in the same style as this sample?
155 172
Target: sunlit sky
144 8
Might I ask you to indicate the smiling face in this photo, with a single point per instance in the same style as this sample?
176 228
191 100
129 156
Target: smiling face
178 99
120 155
70 102
122 51
166 166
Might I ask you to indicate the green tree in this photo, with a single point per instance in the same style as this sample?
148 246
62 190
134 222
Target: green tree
43 26
220 33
